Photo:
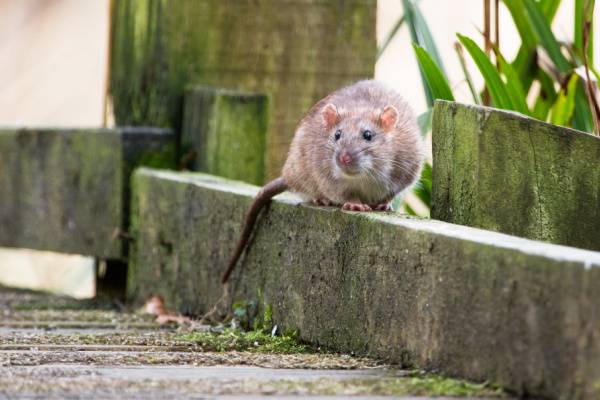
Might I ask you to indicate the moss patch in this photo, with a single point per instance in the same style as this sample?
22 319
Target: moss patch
421 384
417 384
253 341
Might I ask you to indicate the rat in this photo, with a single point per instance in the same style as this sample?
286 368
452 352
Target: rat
357 148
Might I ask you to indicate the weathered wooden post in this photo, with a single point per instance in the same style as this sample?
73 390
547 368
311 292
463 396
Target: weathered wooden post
500 170
224 133
294 51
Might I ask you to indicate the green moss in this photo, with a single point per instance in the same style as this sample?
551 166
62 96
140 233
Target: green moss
158 159
253 341
416 384
435 385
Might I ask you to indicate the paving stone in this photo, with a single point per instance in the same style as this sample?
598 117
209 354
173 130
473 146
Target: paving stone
121 361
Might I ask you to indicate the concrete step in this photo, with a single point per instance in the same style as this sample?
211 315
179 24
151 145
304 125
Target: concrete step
471 303
124 362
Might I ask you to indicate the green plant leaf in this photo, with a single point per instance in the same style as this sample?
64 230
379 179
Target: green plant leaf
422 188
528 38
549 9
524 64
468 78
421 35
492 79
513 84
590 17
582 116
391 35
541 108
432 75
409 210
583 12
544 33
420 32
562 109
546 97
578 26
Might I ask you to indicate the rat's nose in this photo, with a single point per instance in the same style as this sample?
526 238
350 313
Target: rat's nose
345 158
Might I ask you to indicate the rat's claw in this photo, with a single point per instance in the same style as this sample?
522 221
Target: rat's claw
383 207
356 207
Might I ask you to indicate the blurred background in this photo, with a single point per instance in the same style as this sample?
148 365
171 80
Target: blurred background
53 63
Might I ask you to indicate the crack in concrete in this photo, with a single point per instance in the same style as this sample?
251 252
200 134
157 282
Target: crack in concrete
537 183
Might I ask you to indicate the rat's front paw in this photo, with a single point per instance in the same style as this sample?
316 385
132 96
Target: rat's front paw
356 207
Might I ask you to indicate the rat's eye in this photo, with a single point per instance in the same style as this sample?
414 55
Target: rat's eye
338 134
368 135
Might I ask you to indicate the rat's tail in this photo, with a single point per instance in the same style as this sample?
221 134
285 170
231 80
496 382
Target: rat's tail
271 189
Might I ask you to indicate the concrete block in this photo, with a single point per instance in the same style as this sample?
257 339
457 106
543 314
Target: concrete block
470 303
67 190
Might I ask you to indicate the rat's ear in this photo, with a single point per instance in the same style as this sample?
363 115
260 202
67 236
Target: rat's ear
330 115
388 118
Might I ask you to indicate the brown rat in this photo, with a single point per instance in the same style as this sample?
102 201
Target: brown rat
357 148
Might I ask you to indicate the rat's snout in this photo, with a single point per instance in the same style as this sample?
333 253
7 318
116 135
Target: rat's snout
348 162
344 158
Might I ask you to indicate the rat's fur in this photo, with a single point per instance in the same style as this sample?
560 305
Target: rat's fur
350 171
391 161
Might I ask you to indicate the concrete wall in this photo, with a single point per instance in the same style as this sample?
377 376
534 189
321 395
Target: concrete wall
69 188
426 294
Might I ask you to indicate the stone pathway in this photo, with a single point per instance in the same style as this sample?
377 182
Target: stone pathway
58 348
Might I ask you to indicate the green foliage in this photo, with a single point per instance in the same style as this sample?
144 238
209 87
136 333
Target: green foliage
544 35
562 110
422 188
422 37
494 83
561 98
514 87
434 77
565 95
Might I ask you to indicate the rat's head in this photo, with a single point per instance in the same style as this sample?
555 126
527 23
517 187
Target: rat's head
357 141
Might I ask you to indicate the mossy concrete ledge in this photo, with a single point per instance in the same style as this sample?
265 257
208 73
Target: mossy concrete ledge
67 190
224 133
500 170
467 302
